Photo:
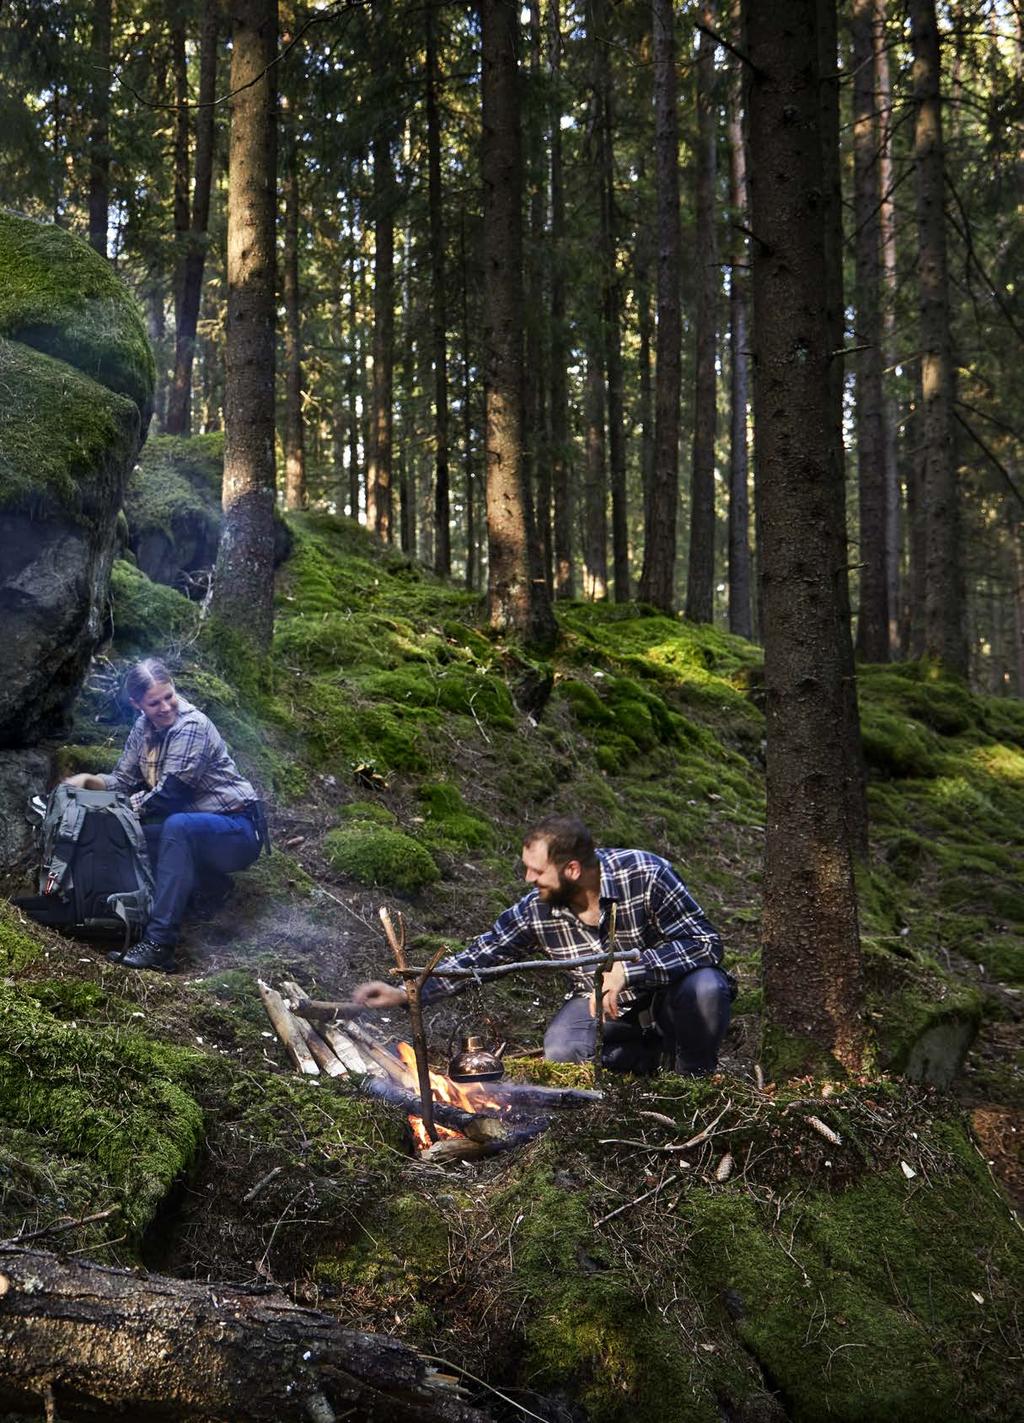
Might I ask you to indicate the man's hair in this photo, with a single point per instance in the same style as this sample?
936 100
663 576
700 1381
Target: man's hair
142 676
567 839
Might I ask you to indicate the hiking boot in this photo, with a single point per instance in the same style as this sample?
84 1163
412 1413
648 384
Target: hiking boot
146 954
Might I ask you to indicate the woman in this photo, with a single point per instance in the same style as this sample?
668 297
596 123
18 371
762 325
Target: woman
198 814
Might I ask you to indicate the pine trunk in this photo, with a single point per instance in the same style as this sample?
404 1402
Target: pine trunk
811 953
179 206
438 309
740 620
513 605
295 496
179 405
700 580
99 127
944 631
595 487
379 472
561 470
890 285
243 587
873 619
657 582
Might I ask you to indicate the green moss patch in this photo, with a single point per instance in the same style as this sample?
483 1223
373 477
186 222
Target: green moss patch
375 855
449 823
19 947
148 618
61 297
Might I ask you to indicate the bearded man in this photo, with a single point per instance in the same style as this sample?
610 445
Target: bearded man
673 1001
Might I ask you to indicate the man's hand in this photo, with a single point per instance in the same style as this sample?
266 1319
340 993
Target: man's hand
612 985
377 994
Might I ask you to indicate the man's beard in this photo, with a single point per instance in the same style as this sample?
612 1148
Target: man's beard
562 897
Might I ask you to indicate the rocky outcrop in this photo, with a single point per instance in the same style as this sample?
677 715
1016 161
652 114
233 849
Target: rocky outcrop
173 507
76 382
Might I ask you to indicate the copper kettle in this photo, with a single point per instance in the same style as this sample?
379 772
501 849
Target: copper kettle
474 1063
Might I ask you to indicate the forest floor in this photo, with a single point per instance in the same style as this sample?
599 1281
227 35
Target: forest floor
403 752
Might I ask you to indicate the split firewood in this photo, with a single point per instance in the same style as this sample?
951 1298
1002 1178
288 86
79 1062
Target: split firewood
95 1341
455 1148
287 1029
323 1054
340 1043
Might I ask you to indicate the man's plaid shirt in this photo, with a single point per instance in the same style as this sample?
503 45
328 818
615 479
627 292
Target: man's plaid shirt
654 912
193 752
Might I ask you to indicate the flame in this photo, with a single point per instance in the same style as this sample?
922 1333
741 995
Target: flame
471 1098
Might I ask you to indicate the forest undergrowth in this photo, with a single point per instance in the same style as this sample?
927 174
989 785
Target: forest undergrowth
836 1249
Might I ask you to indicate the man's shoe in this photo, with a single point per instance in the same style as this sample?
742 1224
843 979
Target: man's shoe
146 954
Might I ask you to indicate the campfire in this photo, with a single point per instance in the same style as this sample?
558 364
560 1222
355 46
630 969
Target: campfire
470 1119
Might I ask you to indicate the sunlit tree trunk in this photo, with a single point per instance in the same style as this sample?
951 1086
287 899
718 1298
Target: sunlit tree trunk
468 462
179 405
642 263
99 126
243 587
887 238
700 579
295 496
379 512
179 204
739 359
873 619
595 486
944 632
352 384
811 953
438 307
513 603
561 471
657 581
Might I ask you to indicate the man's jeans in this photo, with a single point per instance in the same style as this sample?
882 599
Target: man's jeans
184 849
692 1015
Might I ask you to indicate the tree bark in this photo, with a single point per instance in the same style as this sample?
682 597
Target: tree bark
468 462
379 471
642 263
657 581
243 587
561 472
887 238
873 618
179 405
99 127
513 604
438 310
295 496
180 206
740 620
94 1341
944 631
595 486
811 953
700 578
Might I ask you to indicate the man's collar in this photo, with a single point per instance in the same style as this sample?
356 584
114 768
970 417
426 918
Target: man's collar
608 891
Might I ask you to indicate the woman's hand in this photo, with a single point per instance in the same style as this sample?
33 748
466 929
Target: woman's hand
85 782
376 994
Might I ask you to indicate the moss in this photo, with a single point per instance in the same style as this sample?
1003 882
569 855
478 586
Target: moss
895 746
19 947
69 760
176 483
65 440
120 1104
375 855
61 297
148 617
924 1021
366 810
549 1074
449 823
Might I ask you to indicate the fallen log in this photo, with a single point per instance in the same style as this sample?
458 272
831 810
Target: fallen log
89 1342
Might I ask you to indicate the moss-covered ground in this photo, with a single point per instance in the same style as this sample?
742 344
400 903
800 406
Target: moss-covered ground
769 1271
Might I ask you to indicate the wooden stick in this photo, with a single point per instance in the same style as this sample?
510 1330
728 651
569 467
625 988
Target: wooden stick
326 1059
413 993
527 965
351 1059
320 1012
287 1029
600 970
636 1200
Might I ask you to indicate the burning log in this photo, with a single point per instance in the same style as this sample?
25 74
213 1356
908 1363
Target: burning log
92 1341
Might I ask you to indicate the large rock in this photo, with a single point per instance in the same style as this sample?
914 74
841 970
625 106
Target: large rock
23 774
173 507
76 381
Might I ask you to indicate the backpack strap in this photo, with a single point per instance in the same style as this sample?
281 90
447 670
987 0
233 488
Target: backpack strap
65 833
132 827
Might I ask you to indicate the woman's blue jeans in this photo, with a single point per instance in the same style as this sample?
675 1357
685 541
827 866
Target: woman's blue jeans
690 1017
182 849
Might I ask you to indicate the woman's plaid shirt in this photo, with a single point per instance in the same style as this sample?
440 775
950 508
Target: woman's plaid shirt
193 752
654 912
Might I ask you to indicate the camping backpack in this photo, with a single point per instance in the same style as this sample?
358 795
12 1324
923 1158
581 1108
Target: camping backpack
95 877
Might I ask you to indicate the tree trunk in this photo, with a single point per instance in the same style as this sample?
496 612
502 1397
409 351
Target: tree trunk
811 953
88 1341
944 632
243 588
642 263
657 580
740 621
379 471
468 463
914 637
295 496
353 386
438 310
513 605
890 283
1017 595
873 619
179 406
180 208
595 487
700 579
561 471
99 127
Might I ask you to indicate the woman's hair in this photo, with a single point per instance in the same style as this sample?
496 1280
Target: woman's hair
142 676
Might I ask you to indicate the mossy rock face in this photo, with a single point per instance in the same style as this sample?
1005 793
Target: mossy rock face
148 617
375 855
61 297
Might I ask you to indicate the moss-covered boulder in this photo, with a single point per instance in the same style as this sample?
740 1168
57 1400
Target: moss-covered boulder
173 507
76 379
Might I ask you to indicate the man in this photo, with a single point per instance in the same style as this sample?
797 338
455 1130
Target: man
675 999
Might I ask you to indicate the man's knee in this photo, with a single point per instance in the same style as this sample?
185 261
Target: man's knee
569 1036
